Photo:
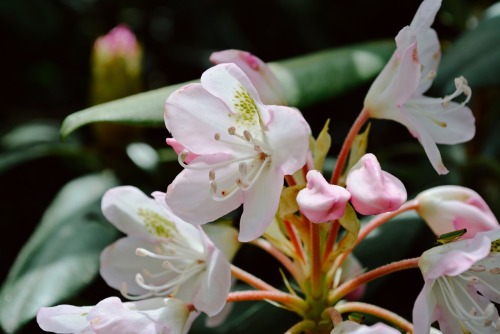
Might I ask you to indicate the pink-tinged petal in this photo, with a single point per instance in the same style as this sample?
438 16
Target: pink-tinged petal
120 265
178 148
351 268
429 54
214 288
452 125
288 134
123 205
220 317
454 258
64 319
321 201
424 310
190 198
158 315
374 191
429 146
408 76
450 208
258 72
260 204
425 15
351 327
194 116
227 81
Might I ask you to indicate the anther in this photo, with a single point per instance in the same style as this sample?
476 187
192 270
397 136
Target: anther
478 268
213 186
495 271
231 130
217 136
140 252
211 175
247 135
257 148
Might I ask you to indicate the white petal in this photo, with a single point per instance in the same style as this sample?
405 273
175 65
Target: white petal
425 15
260 204
288 135
64 319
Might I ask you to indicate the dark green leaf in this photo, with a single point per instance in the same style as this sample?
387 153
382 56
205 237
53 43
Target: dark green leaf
62 255
475 56
307 80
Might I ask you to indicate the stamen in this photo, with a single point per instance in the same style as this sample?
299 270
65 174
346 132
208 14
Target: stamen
211 175
231 130
431 75
495 271
183 155
217 136
253 178
243 168
477 268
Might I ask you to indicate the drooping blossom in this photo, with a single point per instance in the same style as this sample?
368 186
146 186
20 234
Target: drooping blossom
260 75
351 327
244 150
321 201
397 93
462 279
110 315
451 208
161 254
373 190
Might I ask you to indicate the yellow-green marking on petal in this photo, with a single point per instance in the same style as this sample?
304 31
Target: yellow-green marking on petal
495 246
245 107
156 224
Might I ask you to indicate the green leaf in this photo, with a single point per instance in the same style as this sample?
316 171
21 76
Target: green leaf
322 146
474 55
62 255
307 80
351 223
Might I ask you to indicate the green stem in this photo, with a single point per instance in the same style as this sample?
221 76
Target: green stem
315 254
293 302
301 327
378 312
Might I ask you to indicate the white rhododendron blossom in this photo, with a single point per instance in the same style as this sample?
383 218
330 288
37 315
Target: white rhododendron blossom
462 279
161 254
397 93
244 150
149 316
451 208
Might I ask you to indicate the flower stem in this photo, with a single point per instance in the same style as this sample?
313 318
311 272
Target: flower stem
344 151
278 255
378 312
301 327
330 241
294 239
354 283
291 301
373 224
251 279
315 253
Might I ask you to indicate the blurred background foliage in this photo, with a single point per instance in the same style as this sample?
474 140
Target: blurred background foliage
47 76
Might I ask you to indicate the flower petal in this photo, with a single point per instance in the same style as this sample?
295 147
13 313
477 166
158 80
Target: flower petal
190 198
288 134
424 309
260 204
268 87
64 319
425 15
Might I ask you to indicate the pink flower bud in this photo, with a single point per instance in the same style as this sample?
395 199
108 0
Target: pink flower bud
321 201
373 190
451 208
269 88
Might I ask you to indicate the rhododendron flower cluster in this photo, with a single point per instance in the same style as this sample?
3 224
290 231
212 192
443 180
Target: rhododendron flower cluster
240 145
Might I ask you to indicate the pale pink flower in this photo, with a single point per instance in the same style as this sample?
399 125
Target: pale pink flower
245 148
150 316
461 279
397 93
321 201
264 81
451 208
161 254
351 327
373 190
